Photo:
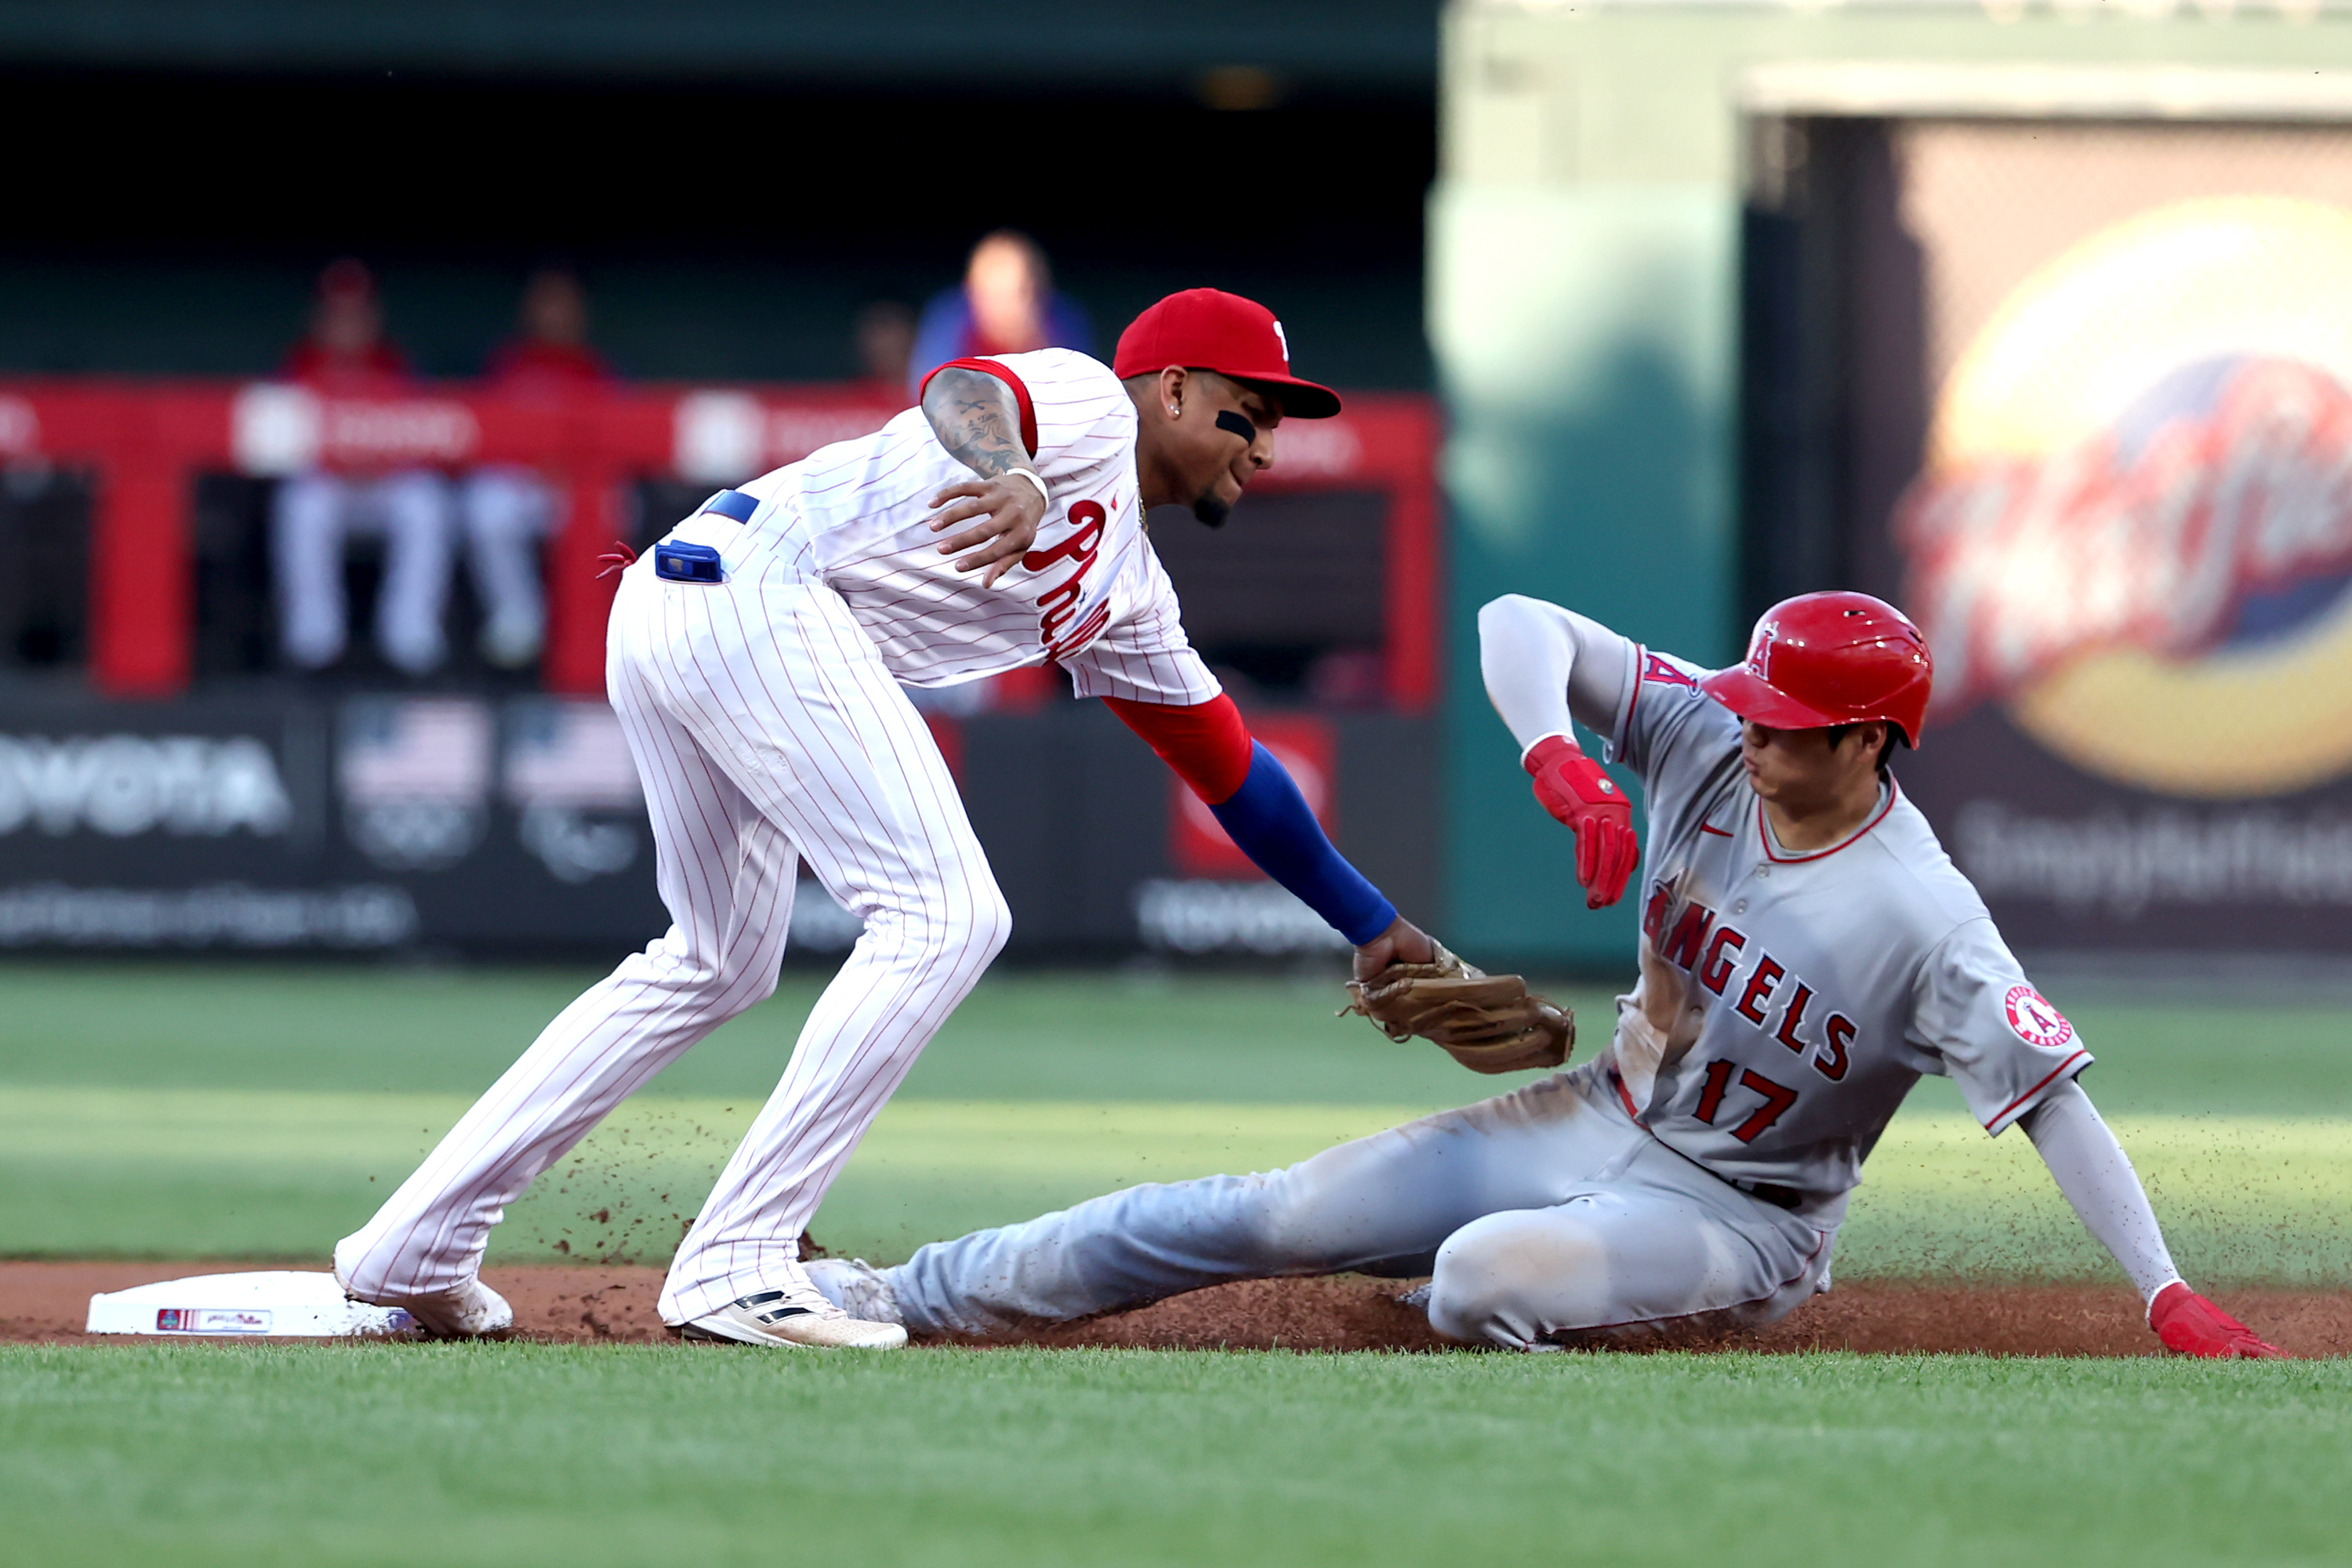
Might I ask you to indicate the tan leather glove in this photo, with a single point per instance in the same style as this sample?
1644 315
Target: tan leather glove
1488 1023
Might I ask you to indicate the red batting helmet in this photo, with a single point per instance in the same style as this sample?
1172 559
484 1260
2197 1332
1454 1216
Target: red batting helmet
1820 660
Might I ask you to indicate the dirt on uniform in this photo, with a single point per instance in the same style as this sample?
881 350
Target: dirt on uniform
48 1302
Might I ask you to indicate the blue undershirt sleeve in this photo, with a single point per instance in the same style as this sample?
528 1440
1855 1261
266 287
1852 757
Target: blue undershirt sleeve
1269 820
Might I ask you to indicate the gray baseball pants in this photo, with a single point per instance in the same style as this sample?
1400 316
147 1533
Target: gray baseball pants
1547 1216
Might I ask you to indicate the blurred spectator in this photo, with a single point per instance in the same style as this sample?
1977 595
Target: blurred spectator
886 344
347 355
1006 305
508 509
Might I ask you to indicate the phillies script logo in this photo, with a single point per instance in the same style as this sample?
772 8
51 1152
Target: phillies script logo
1057 606
2153 542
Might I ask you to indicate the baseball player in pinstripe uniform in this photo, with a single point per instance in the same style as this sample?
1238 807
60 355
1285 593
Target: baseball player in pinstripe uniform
1807 952
756 660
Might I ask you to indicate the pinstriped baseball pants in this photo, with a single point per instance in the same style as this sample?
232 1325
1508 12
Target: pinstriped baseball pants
766 730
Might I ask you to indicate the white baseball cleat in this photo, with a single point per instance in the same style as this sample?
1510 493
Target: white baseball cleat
468 1312
856 1287
800 1317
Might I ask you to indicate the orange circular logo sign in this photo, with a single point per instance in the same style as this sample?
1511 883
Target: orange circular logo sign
2135 528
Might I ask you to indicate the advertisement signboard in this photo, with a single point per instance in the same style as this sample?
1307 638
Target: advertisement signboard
376 822
2129 533
202 824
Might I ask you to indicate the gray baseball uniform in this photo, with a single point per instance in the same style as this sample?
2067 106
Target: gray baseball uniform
1788 1001
1695 1174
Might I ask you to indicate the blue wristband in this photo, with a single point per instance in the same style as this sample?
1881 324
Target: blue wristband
1269 820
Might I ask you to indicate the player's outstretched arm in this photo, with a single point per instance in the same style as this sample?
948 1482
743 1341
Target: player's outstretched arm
1258 805
1544 666
977 417
2091 1168
1405 981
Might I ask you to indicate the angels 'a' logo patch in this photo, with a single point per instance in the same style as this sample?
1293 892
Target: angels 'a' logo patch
2037 1023
1665 674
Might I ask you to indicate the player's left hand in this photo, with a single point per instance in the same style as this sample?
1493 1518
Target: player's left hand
1580 794
2191 1325
1488 1023
1403 942
1010 510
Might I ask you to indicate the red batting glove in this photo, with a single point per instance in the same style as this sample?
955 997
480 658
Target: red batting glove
1574 789
2188 1324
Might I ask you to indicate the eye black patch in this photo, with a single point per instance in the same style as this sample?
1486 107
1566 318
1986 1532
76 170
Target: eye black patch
1229 420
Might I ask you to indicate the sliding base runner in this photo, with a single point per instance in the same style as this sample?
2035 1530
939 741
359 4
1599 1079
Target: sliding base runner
1807 952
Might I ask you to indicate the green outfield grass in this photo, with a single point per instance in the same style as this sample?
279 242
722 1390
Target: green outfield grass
250 1457
262 1112
268 1173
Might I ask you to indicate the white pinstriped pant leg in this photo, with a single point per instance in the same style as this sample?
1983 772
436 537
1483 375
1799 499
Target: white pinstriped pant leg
727 876
761 719
782 683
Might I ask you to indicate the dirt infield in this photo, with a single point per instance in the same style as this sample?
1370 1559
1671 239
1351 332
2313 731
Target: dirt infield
44 1302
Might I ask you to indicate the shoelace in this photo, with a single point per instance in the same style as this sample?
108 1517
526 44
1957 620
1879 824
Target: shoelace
620 558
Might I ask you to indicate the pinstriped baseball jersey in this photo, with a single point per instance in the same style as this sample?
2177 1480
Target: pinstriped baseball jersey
765 712
1789 1001
1089 594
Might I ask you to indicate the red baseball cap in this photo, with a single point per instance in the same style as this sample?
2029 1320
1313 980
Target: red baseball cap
1208 329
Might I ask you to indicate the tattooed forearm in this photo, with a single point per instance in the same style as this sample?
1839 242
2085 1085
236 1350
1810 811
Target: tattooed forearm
975 419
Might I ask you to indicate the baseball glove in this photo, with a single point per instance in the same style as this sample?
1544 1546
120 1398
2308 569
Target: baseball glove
1488 1023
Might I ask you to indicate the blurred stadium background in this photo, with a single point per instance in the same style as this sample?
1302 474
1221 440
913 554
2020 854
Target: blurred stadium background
2029 316
758 203
2025 316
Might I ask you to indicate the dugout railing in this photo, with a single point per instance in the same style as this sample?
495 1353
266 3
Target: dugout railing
144 444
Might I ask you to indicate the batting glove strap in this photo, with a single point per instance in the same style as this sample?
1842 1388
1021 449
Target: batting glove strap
1560 762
